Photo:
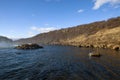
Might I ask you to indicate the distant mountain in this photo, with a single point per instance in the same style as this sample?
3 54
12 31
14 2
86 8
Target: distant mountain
97 34
5 42
5 39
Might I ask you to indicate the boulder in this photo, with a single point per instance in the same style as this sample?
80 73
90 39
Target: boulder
28 46
116 47
94 54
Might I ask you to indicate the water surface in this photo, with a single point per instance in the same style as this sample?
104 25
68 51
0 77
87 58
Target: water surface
59 63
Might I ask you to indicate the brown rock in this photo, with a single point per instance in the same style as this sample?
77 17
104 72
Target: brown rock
28 46
116 47
94 54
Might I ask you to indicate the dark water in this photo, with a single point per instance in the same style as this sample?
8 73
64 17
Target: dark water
58 63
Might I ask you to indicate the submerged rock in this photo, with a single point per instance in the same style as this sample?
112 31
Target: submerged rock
28 46
94 54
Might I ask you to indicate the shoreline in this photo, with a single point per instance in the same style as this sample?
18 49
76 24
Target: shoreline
103 46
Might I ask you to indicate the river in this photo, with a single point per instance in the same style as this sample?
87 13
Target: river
59 63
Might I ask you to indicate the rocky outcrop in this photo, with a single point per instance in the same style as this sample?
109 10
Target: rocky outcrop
109 46
116 47
94 54
28 46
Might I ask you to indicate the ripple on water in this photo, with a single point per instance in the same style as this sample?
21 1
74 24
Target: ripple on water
58 63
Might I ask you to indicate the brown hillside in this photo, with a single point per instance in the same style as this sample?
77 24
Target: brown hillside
86 33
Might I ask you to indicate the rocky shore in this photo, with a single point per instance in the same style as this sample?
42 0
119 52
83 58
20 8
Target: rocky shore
109 46
104 46
28 46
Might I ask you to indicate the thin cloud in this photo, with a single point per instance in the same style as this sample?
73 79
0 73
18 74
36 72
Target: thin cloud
80 11
30 33
99 3
42 29
34 30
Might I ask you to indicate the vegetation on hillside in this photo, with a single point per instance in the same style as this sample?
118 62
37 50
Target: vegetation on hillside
96 34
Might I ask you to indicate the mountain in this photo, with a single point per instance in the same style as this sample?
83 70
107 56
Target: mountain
5 42
5 39
97 34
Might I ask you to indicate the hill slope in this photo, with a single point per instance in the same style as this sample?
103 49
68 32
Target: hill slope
5 42
5 39
97 34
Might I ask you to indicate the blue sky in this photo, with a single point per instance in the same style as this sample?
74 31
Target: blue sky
26 18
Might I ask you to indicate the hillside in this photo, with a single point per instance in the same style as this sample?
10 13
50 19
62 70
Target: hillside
105 34
5 39
5 42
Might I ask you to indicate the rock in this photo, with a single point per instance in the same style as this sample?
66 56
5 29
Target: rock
116 47
28 46
94 54
79 46
110 46
95 46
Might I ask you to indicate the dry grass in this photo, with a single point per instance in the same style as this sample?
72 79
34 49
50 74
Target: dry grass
98 34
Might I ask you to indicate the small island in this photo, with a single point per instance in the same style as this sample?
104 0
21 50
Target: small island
29 46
